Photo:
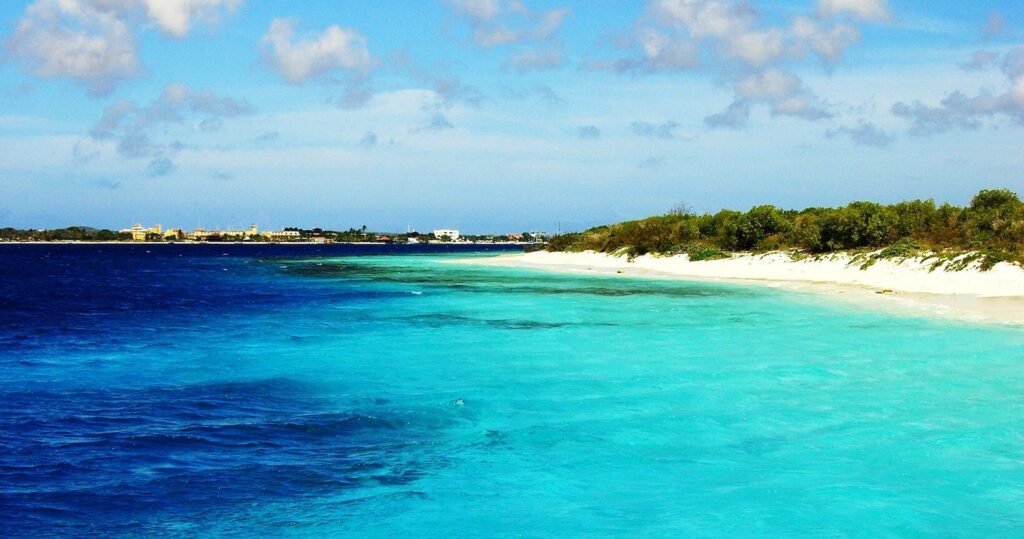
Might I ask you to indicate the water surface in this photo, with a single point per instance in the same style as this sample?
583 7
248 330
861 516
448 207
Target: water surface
348 391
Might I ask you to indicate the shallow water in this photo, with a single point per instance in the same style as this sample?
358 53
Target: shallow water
242 391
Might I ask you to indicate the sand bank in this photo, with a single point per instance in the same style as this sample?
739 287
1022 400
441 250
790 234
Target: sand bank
996 295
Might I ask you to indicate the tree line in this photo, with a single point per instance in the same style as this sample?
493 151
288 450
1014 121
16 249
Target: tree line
993 223
73 233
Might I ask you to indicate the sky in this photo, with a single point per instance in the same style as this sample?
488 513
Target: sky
497 115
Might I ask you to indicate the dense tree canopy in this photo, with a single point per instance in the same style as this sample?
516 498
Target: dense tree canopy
993 222
73 233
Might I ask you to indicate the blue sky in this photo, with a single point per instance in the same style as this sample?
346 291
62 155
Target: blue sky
497 115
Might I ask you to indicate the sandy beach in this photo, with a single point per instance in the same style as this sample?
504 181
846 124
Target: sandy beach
907 285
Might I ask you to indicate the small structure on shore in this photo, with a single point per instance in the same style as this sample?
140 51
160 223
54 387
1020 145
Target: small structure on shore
141 233
449 234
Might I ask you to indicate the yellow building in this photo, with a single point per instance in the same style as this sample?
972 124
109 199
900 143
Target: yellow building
139 232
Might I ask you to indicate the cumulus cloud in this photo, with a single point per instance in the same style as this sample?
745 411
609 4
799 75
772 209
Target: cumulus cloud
73 39
828 41
687 34
960 111
863 134
174 17
736 43
91 42
663 131
660 51
504 22
132 126
298 59
501 23
588 132
781 91
927 120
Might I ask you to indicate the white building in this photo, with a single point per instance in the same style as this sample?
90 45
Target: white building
282 235
452 235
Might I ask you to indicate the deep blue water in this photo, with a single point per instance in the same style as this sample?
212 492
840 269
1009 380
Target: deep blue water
226 390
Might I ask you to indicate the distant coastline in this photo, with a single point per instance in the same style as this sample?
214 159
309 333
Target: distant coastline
157 234
297 242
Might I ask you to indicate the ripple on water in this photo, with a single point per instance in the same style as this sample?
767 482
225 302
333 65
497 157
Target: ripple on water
73 459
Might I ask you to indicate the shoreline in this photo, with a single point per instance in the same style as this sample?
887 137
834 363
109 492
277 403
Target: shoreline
905 286
185 242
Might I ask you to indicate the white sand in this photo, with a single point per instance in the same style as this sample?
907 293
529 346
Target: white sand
996 295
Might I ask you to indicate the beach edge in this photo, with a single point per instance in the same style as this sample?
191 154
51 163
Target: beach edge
910 286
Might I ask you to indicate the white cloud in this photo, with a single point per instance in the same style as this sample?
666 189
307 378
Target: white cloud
92 42
782 91
733 30
757 48
74 40
866 10
828 42
731 39
298 60
175 17
767 86
661 52
509 23
960 111
707 18
133 126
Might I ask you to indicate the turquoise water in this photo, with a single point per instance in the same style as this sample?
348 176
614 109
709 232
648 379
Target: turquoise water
423 398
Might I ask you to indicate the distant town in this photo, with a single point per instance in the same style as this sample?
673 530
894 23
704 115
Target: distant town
159 234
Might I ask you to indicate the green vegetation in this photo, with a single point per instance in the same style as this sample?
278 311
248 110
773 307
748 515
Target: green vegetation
74 233
988 231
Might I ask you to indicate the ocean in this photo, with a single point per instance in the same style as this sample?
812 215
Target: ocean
379 391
